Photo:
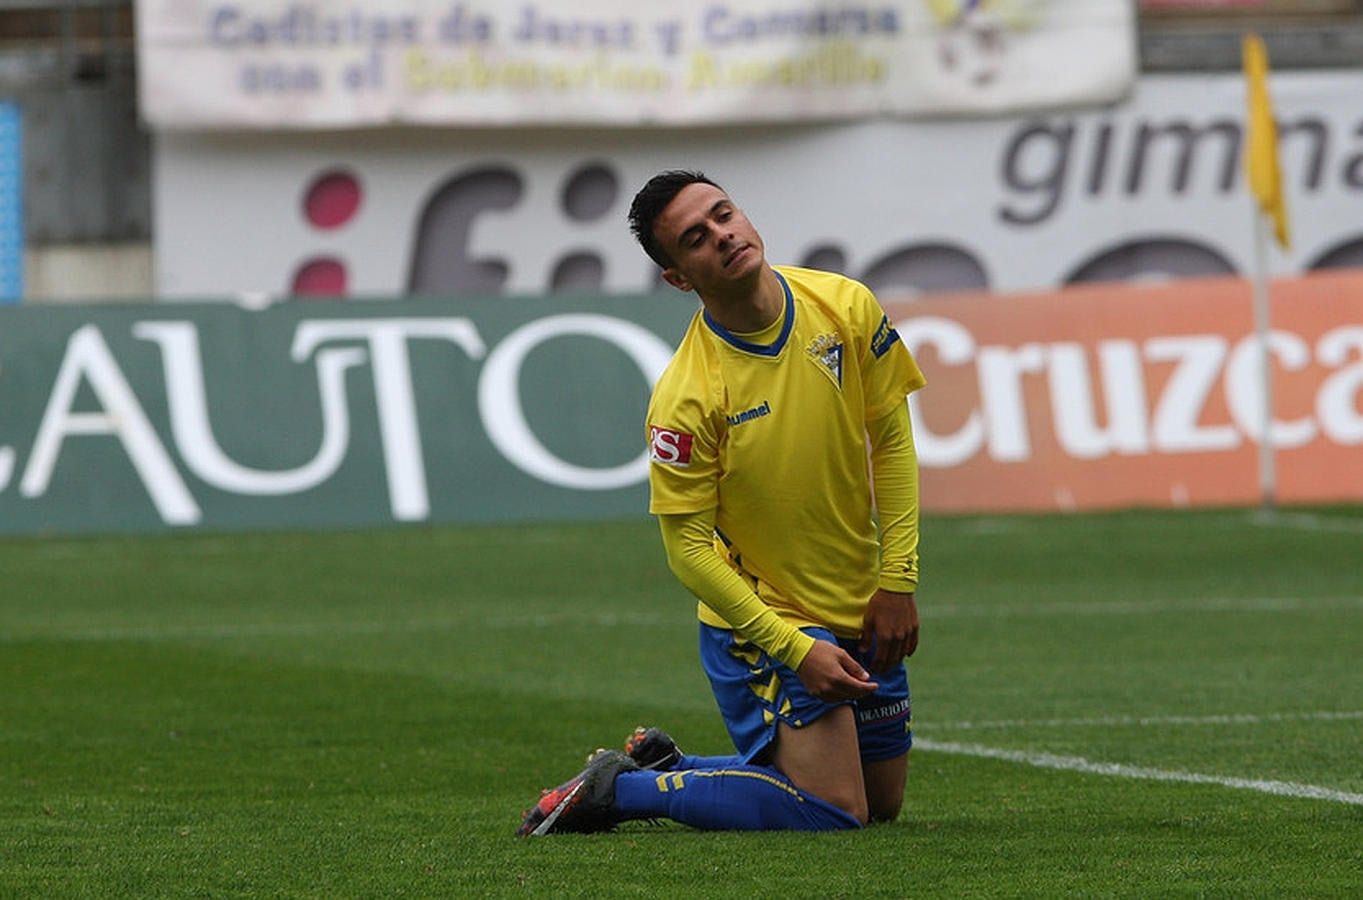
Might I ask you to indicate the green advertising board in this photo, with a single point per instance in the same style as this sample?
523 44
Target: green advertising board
159 416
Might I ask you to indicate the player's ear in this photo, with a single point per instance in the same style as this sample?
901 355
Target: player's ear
677 280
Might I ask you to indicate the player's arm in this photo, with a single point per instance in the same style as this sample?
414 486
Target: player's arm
826 670
891 621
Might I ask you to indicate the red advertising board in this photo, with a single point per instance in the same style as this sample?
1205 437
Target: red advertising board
1111 396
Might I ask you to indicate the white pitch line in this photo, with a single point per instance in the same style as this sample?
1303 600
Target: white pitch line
228 631
1108 721
240 630
1144 607
1118 770
1307 522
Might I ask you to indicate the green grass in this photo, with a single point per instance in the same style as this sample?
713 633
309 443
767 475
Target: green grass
366 714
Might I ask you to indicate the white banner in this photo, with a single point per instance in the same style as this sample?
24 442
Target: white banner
1148 189
274 64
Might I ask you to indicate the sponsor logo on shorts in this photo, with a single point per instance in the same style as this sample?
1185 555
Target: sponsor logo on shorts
897 710
668 447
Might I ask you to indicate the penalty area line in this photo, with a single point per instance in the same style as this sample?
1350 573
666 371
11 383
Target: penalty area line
1118 770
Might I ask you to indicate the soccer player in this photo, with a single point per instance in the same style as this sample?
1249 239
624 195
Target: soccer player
804 559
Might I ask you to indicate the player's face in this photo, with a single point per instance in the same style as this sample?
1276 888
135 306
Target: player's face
712 244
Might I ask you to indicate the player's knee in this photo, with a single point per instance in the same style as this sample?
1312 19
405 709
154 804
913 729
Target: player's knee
845 795
853 804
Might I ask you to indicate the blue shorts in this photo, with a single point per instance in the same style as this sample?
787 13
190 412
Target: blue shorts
755 691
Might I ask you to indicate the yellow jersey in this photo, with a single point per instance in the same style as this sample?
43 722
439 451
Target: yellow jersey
772 435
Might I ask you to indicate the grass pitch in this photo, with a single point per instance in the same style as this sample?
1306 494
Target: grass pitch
1132 704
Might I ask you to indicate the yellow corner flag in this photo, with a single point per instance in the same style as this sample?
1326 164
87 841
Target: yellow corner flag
1261 160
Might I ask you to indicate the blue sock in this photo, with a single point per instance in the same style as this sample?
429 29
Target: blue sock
707 762
731 798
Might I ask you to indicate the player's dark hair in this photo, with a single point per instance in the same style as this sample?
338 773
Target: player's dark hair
649 203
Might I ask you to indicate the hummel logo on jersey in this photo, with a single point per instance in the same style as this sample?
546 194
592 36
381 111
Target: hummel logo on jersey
748 415
827 351
668 447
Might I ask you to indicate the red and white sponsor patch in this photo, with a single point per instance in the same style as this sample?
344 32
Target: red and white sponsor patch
668 447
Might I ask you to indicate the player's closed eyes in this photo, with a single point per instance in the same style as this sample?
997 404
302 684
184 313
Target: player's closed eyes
696 237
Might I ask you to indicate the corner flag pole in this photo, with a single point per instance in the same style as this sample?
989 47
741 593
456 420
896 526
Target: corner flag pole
1268 476
1265 183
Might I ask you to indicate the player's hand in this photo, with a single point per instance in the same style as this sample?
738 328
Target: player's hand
890 626
831 674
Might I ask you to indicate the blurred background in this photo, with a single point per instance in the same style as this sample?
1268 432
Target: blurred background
1049 197
88 227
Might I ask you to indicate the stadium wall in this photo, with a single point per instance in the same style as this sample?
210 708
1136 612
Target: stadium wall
156 417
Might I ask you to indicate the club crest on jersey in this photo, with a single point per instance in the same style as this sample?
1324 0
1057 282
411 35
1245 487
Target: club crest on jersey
668 447
826 350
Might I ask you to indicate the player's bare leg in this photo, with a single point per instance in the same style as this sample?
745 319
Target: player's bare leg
823 759
885 780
